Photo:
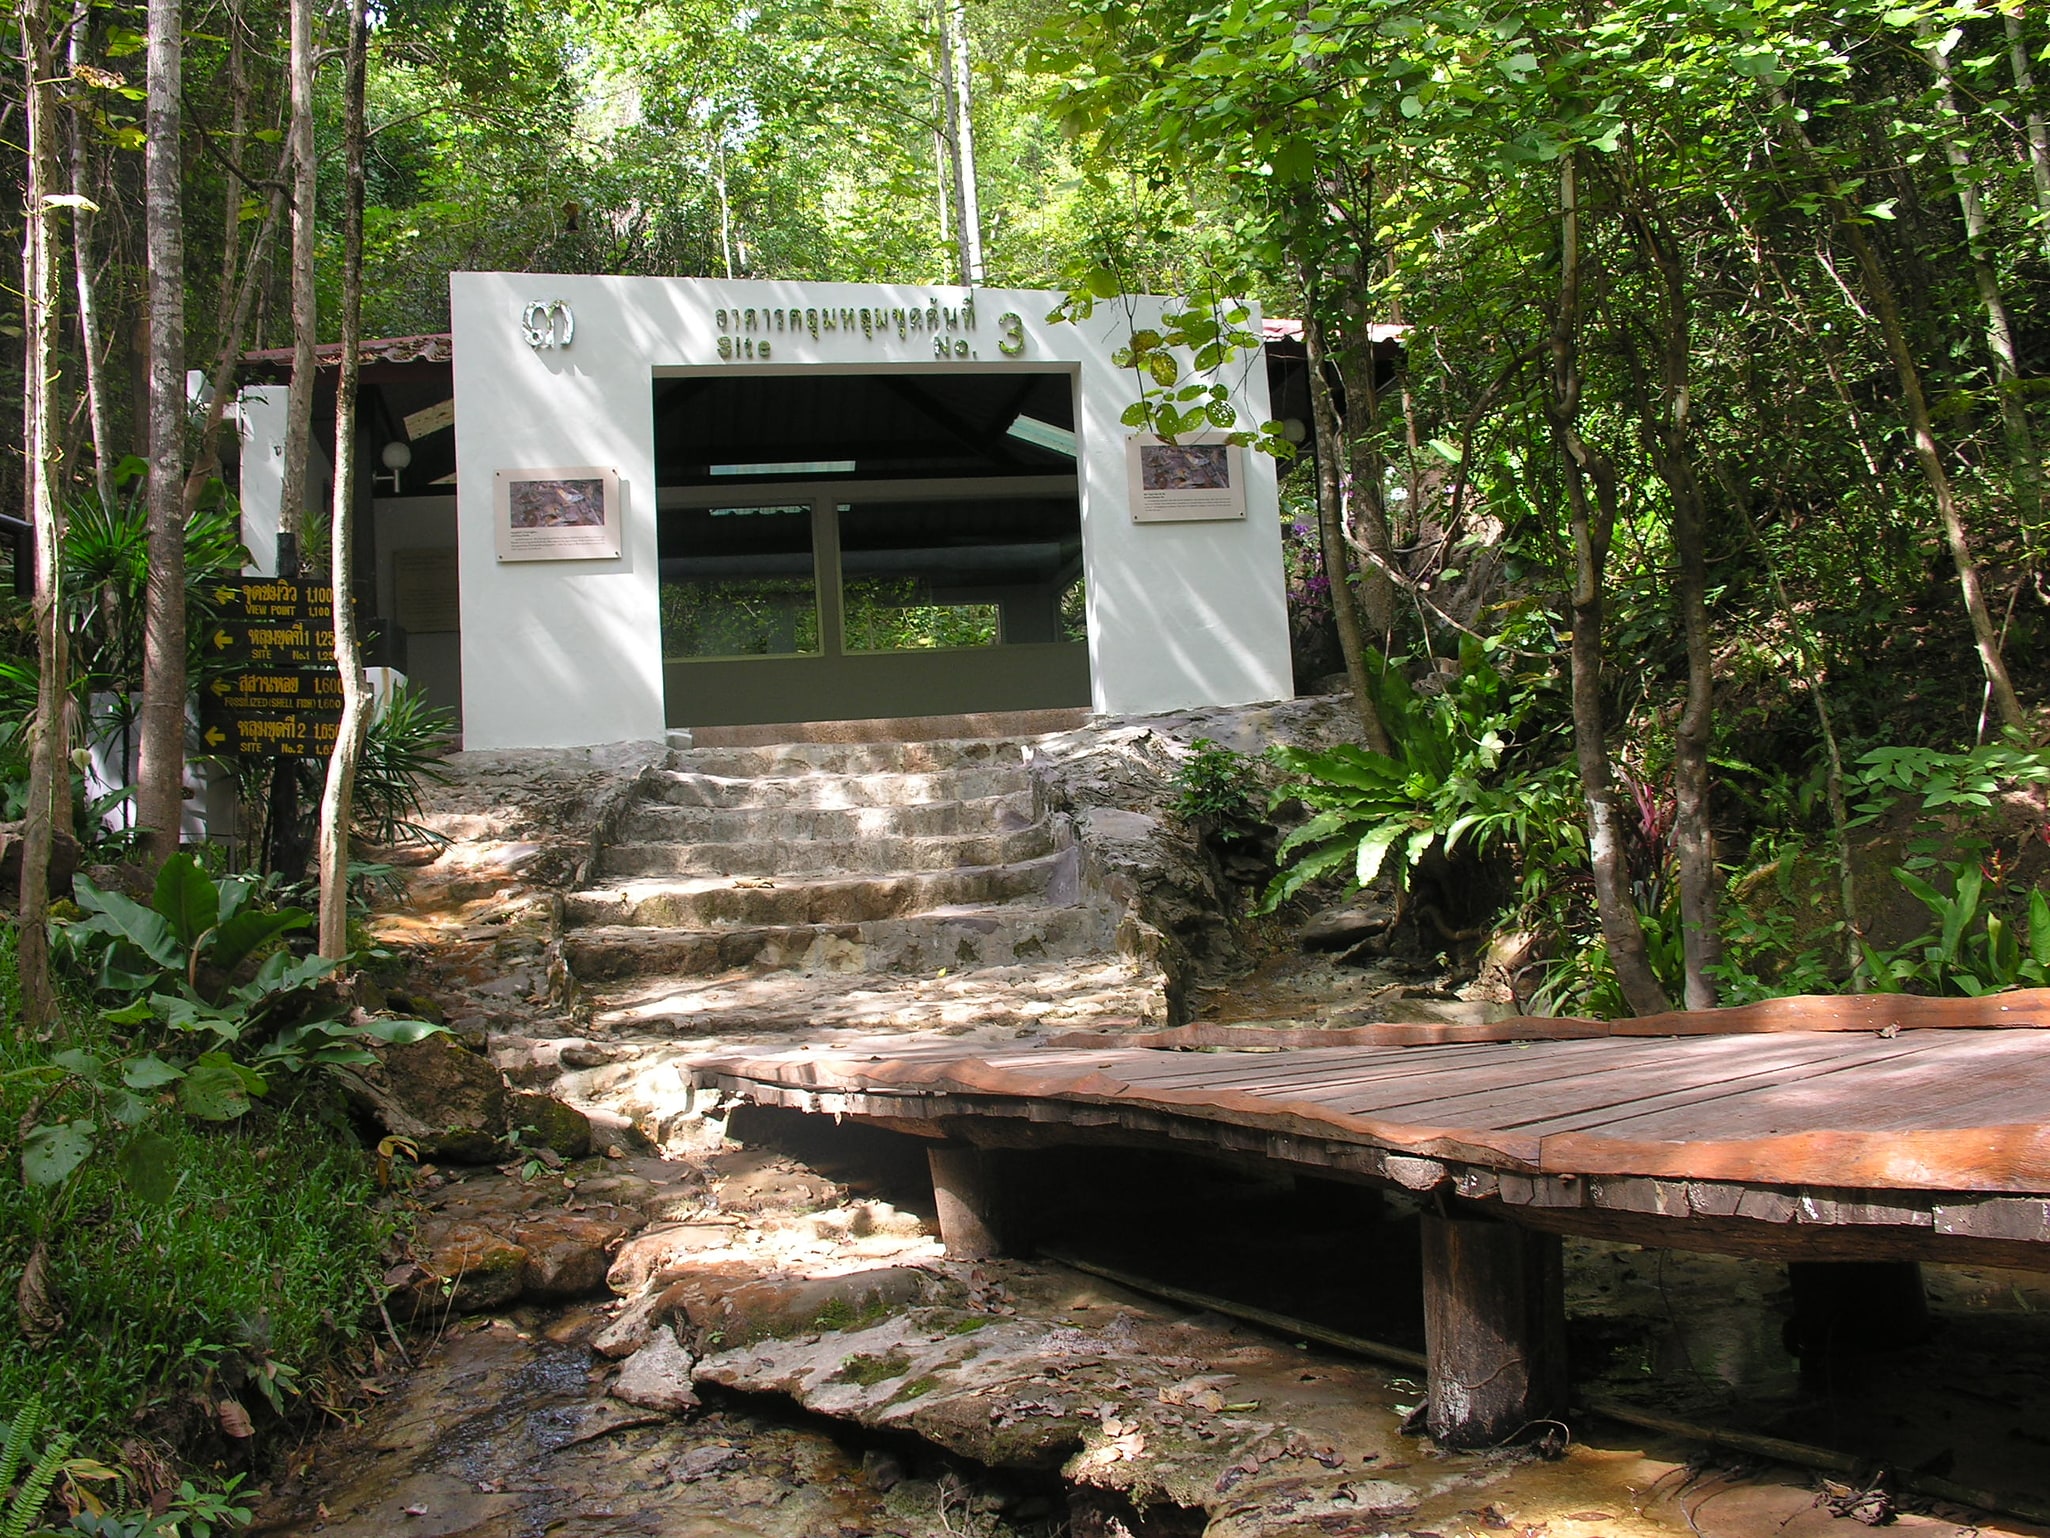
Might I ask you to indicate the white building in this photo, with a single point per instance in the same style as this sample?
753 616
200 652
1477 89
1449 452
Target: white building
676 502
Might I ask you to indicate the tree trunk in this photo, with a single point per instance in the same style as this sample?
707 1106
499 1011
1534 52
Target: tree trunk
1672 440
89 344
1927 455
2014 416
299 399
961 139
2038 131
1331 539
1592 523
237 298
337 800
49 797
160 800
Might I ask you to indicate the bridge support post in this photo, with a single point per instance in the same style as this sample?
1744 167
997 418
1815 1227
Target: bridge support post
1494 1328
977 1220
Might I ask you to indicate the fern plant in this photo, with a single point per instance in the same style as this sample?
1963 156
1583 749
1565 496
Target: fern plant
1446 784
37 1472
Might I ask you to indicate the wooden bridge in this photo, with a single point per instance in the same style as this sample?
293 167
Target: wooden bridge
1873 1128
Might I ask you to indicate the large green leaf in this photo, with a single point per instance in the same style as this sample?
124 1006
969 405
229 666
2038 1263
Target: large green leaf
243 932
145 1166
214 1091
125 919
283 973
1374 849
399 1033
150 1072
52 1151
186 898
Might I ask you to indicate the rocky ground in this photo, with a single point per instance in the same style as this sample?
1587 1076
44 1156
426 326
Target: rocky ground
639 1312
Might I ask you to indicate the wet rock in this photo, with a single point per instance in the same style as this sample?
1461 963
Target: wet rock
464 1268
657 1249
449 1101
546 1122
1342 927
567 1255
723 1305
658 1376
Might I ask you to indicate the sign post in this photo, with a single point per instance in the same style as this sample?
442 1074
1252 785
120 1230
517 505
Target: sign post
282 697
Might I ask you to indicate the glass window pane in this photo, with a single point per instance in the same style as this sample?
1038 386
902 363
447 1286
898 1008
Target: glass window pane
963 571
738 582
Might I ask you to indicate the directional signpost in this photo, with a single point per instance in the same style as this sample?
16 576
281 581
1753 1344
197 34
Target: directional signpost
284 697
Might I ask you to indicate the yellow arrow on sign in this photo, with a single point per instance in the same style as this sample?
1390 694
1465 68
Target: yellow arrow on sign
223 594
215 736
222 688
221 640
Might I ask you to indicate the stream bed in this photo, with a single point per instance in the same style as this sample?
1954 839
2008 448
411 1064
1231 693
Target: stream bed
1029 1399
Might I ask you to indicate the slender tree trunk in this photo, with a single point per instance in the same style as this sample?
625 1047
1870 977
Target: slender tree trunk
961 139
1886 308
89 344
337 801
1331 537
206 462
299 399
1673 458
1367 497
2038 130
1591 502
2014 416
1984 633
160 800
49 797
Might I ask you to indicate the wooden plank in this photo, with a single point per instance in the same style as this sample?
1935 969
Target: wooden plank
1675 1070
1427 1083
1251 1069
1819 1098
2023 1008
1781 1054
2012 1159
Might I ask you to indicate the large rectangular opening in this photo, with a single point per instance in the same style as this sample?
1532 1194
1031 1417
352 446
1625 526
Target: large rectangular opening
850 546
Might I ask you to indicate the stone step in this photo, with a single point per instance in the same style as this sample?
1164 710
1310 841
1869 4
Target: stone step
827 791
654 822
875 854
706 902
1104 992
856 758
968 937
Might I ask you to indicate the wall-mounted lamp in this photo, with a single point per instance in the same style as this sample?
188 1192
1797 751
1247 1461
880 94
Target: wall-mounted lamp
396 455
1293 430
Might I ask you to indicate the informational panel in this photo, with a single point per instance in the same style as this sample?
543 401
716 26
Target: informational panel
558 514
426 592
1195 479
281 695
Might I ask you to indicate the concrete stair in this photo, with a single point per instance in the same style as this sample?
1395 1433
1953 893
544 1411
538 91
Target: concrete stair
885 885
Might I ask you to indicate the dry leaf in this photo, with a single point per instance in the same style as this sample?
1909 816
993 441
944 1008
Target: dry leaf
36 1299
234 1419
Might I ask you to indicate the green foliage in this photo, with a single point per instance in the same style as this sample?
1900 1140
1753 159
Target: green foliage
254 1243
404 746
37 1462
1945 782
220 1007
1446 785
1218 783
1969 950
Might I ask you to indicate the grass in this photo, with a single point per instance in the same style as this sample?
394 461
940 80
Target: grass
258 1270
